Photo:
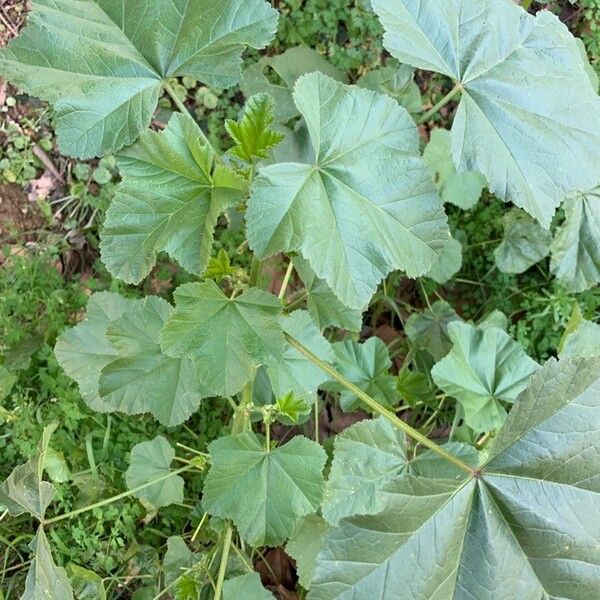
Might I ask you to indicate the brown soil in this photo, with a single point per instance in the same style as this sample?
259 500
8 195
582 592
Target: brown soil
18 216
12 18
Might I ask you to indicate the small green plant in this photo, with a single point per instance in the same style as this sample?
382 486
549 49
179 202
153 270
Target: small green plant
337 186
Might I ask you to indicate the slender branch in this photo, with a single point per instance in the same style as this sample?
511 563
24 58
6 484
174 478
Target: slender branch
224 560
112 499
183 108
286 280
376 407
432 111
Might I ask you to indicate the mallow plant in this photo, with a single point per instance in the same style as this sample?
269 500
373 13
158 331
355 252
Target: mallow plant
333 178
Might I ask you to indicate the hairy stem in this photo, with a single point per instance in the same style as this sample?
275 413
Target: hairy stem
286 280
224 559
432 111
376 407
112 499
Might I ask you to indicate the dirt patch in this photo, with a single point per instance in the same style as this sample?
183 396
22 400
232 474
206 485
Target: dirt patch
19 217
12 18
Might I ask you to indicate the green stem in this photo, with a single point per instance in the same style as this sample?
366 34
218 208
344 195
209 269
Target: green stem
286 280
183 109
255 272
376 407
297 303
241 418
224 560
112 499
449 96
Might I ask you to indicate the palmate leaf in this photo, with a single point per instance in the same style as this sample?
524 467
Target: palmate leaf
264 492
151 461
526 526
103 70
576 247
227 339
140 378
583 341
527 118
169 199
483 367
365 206
45 581
448 263
525 243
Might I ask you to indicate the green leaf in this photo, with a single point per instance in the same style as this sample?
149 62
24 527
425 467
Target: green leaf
7 381
461 189
264 492
291 407
228 339
253 134
19 356
103 72
515 530
524 116
396 81
583 342
140 378
288 66
45 581
483 368
304 546
83 351
414 387
324 307
525 243
576 247
178 559
366 457
589 69
24 491
292 371
367 366
428 330
55 466
170 197
86 584
353 220
448 263
248 587
219 267
151 461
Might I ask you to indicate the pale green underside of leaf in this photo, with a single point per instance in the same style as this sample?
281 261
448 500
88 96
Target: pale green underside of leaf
583 342
45 581
83 351
102 67
448 263
525 243
323 305
525 118
169 199
141 378
367 206
576 246
483 367
292 371
305 544
461 189
528 528
264 493
248 587
150 461
367 366
227 339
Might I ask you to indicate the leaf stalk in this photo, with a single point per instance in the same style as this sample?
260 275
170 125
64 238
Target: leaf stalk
224 561
432 111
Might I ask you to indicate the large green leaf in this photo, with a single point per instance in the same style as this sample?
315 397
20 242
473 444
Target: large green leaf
323 305
525 243
367 456
584 341
292 371
365 206
264 492
524 119
484 367
141 378
304 546
367 366
169 199
83 351
248 587
576 246
228 339
45 581
150 463
525 526
462 189
24 491
101 65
